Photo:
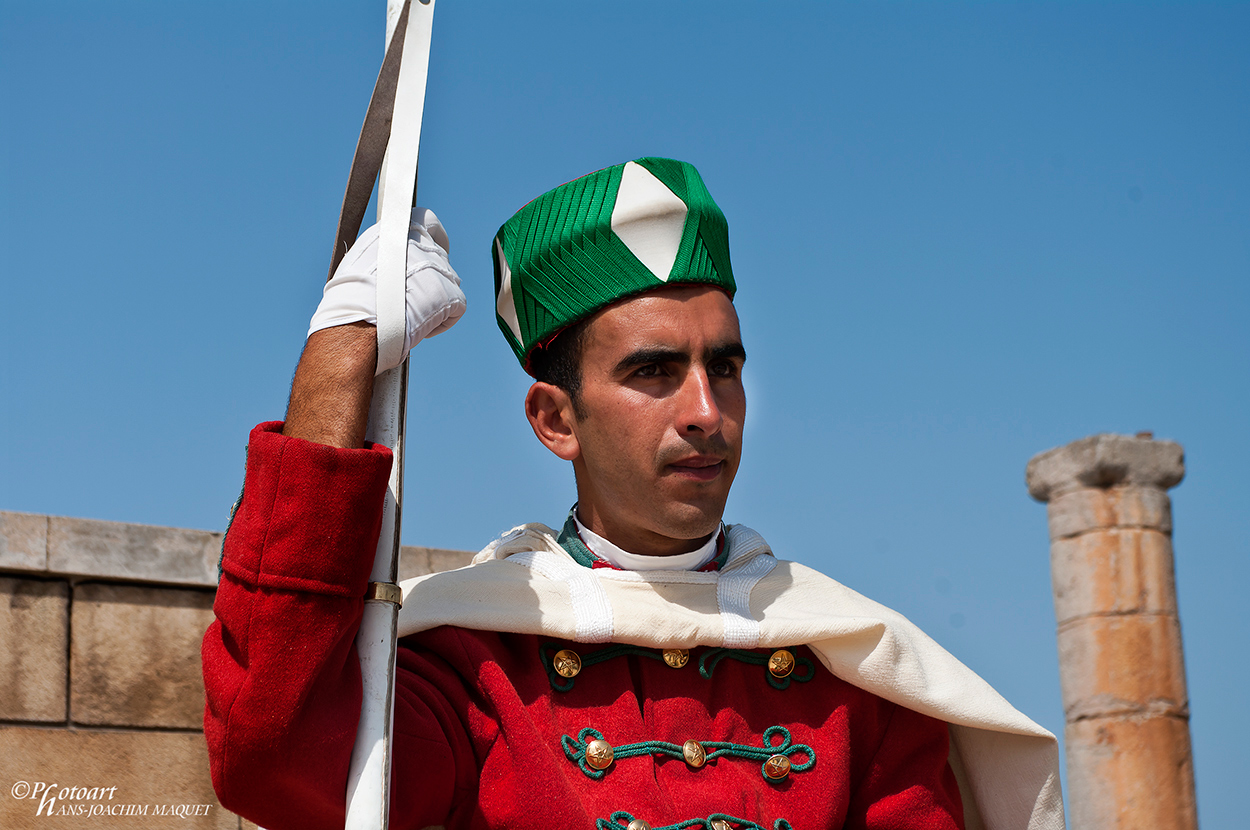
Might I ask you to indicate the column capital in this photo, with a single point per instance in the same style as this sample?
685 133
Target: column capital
1103 461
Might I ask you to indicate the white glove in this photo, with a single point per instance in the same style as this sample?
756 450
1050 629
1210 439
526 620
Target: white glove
434 299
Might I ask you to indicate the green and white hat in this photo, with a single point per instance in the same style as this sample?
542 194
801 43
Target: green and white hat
617 232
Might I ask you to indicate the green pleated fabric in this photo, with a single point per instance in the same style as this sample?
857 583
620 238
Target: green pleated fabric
557 260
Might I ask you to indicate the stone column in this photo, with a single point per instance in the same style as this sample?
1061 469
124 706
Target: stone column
1121 667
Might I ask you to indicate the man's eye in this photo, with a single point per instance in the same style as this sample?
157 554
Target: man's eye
723 369
651 370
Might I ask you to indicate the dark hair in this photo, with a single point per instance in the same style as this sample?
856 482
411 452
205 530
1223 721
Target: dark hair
559 362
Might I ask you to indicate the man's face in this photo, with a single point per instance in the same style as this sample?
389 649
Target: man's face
663 403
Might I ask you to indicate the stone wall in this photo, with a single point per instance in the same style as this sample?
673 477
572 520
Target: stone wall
101 698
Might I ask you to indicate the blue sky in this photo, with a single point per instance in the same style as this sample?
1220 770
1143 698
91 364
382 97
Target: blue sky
963 234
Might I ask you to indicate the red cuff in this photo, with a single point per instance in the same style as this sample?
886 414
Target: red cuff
310 514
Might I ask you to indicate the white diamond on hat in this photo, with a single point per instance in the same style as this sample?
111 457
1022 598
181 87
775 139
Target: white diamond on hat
649 218
504 304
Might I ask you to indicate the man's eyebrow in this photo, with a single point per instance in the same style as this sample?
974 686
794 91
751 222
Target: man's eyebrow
642 357
645 356
727 350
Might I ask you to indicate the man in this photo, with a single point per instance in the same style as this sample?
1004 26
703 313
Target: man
645 667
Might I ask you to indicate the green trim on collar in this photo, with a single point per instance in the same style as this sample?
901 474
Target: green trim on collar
573 544
723 556
571 541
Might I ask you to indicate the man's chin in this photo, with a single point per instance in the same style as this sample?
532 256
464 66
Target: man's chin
691 502
692 521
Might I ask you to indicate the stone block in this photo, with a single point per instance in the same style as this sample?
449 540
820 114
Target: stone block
1112 572
1080 511
1128 664
135 656
34 633
418 561
23 541
87 547
1130 774
153 771
1105 461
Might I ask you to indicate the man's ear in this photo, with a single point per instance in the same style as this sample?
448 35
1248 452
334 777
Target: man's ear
551 415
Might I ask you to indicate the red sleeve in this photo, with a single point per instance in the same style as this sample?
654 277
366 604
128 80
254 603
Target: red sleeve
281 675
909 785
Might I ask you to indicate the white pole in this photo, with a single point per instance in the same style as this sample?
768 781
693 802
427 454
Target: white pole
368 786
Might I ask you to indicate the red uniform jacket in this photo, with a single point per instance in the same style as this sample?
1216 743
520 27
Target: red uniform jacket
487 734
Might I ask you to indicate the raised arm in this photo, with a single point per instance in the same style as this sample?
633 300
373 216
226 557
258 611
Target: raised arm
334 380
333 385
281 675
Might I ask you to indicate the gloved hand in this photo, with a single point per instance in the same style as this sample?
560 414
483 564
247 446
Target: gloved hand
434 299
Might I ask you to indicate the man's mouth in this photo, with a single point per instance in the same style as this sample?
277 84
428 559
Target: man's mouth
698 467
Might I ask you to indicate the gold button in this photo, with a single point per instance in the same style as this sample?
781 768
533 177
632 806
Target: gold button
599 754
781 663
567 663
720 824
694 753
676 657
638 824
777 767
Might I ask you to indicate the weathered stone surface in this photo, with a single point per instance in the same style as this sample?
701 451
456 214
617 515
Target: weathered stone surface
117 550
1120 660
1105 461
1087 509
148 769
34 632
23 541
1130 774
1122 665
60 546
136 656
417 561
1112 572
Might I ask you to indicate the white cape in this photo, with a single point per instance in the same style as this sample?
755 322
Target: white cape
525 583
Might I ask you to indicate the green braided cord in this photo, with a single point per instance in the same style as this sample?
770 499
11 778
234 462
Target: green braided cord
547 651
575 750
622 818
707 665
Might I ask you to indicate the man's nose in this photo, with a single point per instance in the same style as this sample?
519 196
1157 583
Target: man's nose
698 410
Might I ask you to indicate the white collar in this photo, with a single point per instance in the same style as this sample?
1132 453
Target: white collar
625 560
